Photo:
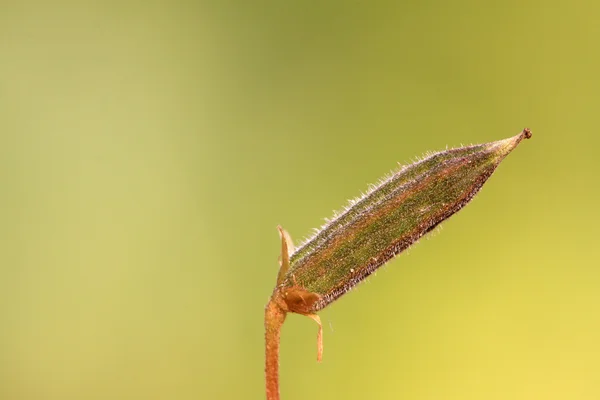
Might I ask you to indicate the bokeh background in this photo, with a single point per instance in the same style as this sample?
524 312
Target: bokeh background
148 150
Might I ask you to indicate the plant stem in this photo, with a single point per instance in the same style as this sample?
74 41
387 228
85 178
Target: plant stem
274 317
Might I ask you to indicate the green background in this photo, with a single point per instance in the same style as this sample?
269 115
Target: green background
148 150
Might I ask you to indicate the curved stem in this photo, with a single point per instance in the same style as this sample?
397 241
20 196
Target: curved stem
274 317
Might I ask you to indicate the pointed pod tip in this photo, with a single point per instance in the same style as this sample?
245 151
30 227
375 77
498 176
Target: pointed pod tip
515 140
502 148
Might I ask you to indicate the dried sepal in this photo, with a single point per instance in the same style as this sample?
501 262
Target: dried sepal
287 248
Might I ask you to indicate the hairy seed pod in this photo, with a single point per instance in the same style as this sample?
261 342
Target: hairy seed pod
384 222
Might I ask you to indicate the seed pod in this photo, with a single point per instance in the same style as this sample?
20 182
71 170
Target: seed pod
375 228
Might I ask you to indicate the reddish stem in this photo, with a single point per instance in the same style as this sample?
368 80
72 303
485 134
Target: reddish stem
274 317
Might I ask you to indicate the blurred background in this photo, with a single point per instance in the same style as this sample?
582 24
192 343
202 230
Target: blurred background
148 150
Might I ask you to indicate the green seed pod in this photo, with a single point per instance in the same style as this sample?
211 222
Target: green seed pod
373 229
